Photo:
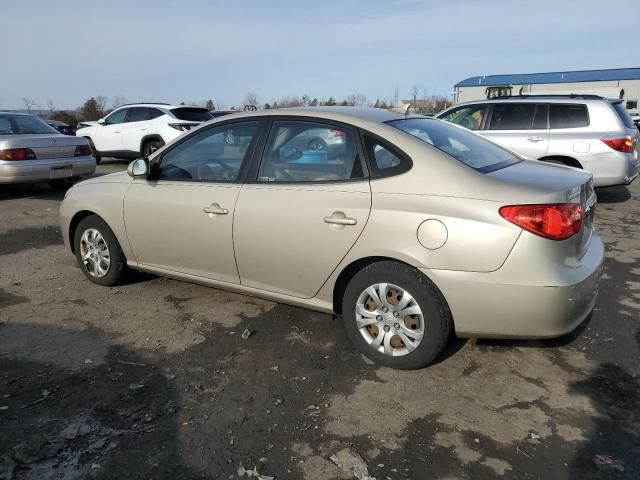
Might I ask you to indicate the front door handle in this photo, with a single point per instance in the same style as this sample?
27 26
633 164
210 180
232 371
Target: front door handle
535 139
215 209
336 219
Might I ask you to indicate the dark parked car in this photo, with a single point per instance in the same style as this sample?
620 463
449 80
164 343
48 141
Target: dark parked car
61 127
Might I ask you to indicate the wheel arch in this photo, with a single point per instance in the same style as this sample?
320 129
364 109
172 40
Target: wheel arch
564 159
73 224
149 138
349 271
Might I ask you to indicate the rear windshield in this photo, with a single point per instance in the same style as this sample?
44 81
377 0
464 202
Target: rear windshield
192 114
623 114
463 145
24 125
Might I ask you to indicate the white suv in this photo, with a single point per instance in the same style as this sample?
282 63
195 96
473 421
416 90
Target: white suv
137 130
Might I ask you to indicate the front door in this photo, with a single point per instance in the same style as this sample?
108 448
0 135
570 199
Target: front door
310 203
181 221
107 137
520 127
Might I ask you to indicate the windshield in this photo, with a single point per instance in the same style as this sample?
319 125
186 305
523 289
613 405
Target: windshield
23 125
192 114
463 145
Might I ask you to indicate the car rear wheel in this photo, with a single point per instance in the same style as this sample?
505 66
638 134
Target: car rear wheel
151 147
98 252
318 145
396 316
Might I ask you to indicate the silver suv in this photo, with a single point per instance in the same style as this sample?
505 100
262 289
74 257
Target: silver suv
583 131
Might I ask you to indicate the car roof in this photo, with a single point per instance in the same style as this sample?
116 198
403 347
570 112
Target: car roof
343 114
16 113
166 106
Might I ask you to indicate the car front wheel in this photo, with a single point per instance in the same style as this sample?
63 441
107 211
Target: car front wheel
98 252
396 316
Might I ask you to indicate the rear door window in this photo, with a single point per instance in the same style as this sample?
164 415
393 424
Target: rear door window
568 116
512 116
302 151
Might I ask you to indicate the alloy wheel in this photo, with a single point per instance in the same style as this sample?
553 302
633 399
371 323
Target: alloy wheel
94 253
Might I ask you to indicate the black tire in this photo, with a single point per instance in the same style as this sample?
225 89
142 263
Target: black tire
117 270
436 314
60 185
318 145
149 147
94 152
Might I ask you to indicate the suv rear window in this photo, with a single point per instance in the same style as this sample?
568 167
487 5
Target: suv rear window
623 114
463 145
568 116
192 114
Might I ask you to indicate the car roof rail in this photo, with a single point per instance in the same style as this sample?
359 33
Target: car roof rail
586 96
142 103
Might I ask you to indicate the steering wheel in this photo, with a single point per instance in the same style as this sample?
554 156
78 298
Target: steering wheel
229 173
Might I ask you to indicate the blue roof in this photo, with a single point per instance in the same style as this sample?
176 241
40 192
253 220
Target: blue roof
553 77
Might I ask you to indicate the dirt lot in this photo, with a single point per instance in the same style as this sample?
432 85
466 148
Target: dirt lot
153 379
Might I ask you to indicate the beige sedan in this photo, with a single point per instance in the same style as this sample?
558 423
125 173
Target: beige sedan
414 230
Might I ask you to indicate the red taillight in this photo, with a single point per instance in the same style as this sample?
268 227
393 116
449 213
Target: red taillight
338 133
17 154
82 151
620 144
556 221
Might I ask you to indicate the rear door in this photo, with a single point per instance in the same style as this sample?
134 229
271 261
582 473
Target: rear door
520 127
304 212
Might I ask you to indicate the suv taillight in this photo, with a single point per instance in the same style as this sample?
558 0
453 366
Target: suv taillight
624 144
82 151
17 154
556 221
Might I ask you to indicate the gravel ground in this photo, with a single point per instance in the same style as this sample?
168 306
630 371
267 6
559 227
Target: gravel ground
154 380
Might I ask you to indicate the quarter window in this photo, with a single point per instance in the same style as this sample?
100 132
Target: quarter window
299 151
214 155
470 117
512 116
568 116
385 159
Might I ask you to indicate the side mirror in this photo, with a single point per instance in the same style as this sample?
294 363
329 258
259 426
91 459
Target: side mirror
138 168
102 121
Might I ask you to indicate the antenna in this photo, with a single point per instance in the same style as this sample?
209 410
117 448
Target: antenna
406 109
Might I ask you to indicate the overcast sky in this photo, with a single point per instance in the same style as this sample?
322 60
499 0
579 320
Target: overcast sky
182 50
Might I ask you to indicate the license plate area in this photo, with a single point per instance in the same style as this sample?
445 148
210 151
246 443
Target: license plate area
60 172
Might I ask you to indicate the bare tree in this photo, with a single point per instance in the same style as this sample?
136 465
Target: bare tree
356 100
29 103
118 101
396 96
51 106
415 90
101 104
251 99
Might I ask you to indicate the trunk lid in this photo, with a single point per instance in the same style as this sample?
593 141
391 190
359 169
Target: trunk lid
44 146
533 182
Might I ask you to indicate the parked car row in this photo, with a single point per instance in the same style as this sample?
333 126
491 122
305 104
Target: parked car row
582 131
379 232
32 151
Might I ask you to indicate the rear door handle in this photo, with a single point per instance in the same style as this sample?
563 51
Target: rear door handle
215 209
335 220
535 139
